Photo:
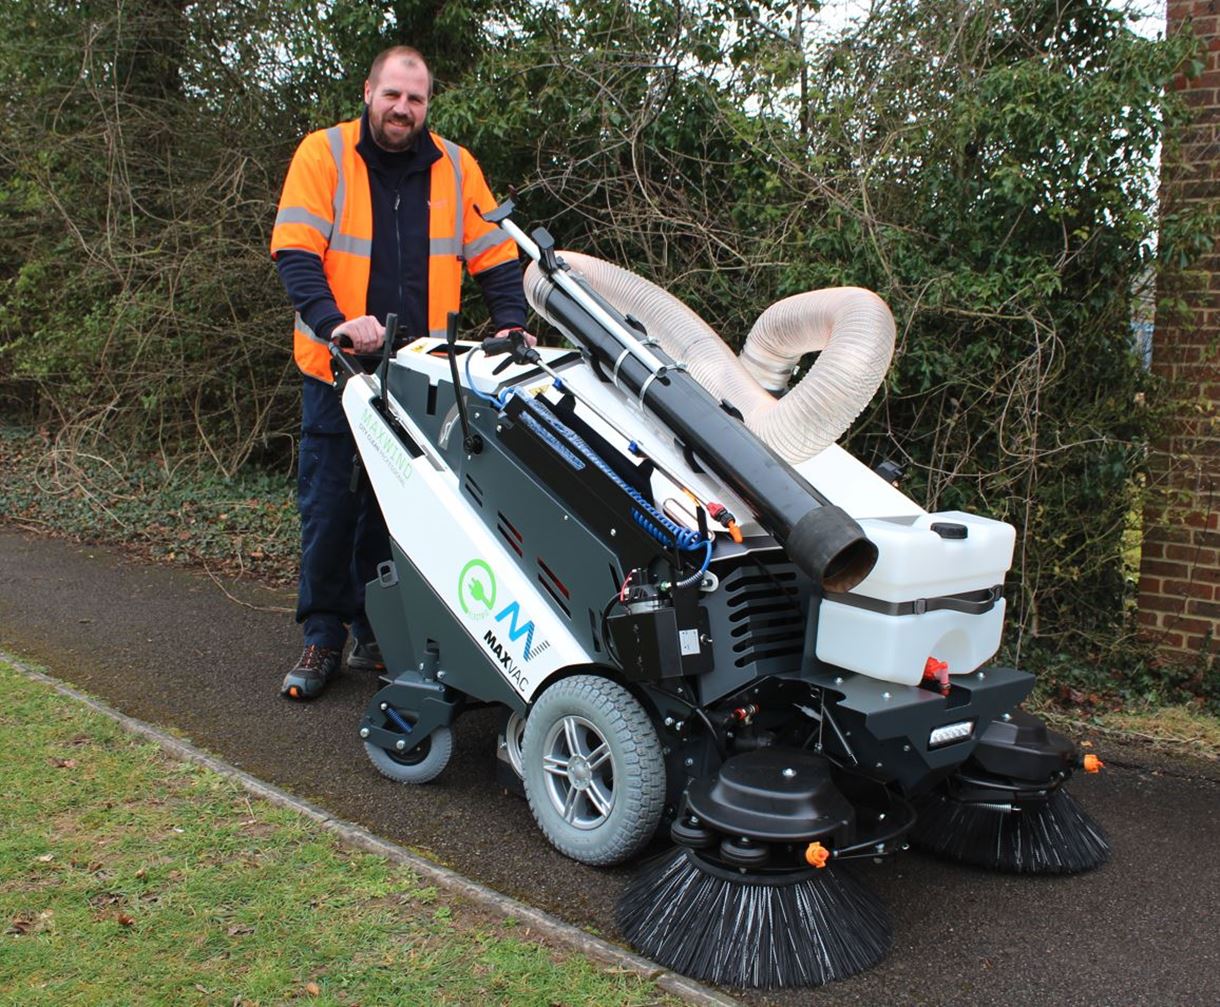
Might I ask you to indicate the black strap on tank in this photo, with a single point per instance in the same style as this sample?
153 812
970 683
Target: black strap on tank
969 602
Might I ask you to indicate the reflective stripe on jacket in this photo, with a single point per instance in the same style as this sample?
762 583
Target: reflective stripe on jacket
326 209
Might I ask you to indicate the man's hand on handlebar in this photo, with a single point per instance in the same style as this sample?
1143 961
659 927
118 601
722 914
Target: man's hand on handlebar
530 339
365 334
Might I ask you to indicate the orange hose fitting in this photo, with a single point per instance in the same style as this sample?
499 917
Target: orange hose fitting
1092 764
816 854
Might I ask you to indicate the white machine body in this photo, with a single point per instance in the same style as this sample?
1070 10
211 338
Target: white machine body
888 627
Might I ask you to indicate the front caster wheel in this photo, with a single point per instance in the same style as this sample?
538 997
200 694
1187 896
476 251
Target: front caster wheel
594 772
422 764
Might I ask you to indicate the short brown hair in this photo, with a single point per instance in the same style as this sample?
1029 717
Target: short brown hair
409 53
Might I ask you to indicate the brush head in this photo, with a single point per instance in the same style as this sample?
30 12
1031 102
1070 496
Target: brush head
753 930
1052 836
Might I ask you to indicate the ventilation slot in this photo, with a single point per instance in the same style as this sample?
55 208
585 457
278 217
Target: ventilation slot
593 632
475 491
513 537
554 587
764 616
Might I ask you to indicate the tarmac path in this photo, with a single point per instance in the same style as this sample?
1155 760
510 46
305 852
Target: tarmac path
169 647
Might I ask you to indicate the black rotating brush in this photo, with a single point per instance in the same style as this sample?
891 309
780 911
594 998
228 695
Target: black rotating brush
750 930
740 902
1005 809
1052 835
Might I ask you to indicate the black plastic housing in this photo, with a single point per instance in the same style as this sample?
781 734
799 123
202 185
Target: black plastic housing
778 795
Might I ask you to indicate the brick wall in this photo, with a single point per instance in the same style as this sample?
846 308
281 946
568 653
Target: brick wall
1179 596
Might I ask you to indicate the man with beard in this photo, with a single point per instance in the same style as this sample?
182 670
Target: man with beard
377 217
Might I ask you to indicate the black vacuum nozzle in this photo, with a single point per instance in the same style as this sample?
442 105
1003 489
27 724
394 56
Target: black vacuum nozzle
831 547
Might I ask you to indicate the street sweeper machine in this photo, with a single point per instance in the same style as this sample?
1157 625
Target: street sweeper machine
704 622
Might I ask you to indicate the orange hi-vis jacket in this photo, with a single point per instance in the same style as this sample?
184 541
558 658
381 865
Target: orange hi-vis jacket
326 209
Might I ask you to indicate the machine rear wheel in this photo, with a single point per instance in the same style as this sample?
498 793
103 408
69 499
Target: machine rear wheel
420 765
594 772
512 737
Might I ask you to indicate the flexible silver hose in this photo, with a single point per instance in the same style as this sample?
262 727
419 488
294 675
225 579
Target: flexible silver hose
852 328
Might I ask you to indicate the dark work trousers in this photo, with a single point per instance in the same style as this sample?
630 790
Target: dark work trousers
343 535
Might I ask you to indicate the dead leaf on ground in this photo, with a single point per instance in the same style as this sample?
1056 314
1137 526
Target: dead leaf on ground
313 989
125 920
62 763
24 924
238 929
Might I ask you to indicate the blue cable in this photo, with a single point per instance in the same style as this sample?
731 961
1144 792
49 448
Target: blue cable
498 403
694 578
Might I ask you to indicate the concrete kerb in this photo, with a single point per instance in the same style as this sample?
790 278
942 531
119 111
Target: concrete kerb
356 835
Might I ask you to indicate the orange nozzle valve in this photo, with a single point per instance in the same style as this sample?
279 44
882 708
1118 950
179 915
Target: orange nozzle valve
1092 764
735 532
816 854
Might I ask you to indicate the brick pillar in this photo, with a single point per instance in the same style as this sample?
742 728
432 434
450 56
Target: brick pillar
1179 590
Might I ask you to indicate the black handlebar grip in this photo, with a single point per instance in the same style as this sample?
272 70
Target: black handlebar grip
494 345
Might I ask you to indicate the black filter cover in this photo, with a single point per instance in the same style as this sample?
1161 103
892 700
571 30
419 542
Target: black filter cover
773 795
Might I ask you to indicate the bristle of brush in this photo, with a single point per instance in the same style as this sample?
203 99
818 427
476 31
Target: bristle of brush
1052 837
720 928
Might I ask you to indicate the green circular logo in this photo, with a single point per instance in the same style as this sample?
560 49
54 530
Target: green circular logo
477 589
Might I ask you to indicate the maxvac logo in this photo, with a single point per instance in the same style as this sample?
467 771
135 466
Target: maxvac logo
477 596
515 632
477 589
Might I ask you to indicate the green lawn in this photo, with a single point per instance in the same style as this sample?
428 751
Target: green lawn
129 878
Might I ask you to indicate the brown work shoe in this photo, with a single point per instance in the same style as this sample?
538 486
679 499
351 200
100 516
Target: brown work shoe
315 668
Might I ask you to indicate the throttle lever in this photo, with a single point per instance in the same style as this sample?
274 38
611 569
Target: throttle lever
514 343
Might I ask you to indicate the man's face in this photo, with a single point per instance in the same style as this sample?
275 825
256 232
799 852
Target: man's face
398 103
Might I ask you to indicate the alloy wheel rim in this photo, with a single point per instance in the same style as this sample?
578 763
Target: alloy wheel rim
578 772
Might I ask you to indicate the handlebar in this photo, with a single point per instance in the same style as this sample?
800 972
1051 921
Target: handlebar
514 343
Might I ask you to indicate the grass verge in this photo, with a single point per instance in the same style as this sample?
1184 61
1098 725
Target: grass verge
129 878
1178 729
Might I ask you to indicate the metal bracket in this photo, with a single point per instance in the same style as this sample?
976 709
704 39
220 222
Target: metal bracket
387 574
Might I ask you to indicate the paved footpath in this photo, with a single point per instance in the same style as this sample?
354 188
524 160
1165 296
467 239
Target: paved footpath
170 647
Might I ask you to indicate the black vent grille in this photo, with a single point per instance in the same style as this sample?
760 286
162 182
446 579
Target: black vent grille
509 533
555 587
475 491
765 617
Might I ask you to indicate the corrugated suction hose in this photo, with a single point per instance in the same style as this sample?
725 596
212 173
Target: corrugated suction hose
851 329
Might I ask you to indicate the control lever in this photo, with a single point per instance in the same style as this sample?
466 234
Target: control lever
471 441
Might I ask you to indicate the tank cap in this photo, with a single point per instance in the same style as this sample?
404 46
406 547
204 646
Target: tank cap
946 529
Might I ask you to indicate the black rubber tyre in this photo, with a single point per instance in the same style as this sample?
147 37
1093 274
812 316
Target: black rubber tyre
421 765
594 772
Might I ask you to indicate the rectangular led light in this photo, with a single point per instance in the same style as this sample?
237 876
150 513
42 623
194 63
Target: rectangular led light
950 733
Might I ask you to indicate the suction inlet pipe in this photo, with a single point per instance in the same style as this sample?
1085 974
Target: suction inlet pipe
821 538
851 329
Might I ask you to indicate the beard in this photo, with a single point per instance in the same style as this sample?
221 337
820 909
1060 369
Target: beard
401 139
